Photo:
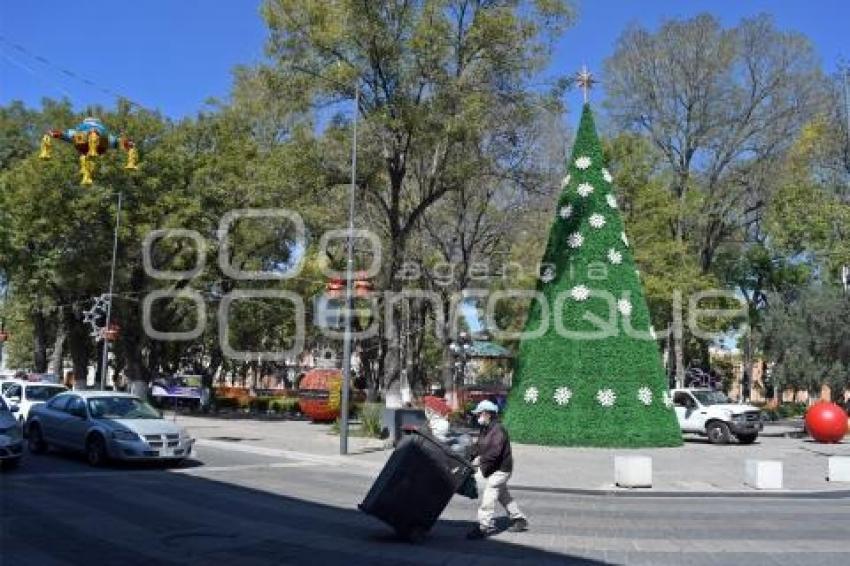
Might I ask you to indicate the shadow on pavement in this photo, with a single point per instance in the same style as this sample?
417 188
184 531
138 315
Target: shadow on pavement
174 518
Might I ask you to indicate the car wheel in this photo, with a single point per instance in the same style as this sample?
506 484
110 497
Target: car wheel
35 440
718 433
96 451
747 438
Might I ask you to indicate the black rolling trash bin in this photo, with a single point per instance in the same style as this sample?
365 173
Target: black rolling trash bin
415 485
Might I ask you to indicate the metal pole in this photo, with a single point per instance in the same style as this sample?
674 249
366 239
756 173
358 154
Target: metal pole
3 321
103 367
847 100
346 345
845 270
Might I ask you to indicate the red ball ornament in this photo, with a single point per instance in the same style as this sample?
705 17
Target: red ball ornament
319 394
826 422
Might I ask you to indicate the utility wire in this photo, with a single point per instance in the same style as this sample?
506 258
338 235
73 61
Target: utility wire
56 68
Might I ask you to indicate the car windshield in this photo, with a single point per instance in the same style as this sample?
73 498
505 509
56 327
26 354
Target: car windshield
121 408
710 397
42 392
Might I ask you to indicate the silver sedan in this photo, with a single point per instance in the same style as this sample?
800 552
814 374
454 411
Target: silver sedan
106 425
11 436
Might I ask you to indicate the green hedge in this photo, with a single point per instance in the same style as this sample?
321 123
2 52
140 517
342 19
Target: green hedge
226 403
370 419
285 405
785 411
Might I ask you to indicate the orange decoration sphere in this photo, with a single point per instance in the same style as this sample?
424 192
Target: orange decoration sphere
112 332
318 394
826 422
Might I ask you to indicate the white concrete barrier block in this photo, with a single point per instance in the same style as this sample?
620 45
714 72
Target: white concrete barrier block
839 468
633 471
763 474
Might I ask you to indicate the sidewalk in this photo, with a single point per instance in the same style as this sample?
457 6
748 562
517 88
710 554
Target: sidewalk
696 468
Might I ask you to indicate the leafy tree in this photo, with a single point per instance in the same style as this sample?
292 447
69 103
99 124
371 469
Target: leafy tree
722 106
444 90
808 341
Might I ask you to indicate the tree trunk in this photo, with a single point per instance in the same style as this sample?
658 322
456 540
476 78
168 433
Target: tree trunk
139 388
79 347
39 337
59 349
392 361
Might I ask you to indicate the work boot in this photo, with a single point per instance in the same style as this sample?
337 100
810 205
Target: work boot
518 525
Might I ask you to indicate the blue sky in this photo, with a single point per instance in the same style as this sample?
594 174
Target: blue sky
174 55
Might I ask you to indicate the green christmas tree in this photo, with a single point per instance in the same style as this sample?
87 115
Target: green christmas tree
592 375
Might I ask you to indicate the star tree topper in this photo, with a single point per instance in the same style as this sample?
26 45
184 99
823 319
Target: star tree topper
585 80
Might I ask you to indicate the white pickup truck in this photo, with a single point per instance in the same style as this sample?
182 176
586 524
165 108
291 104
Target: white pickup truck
710 413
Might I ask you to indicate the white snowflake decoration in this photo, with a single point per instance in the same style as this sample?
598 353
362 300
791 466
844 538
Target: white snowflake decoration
531 395
583 162
563 395
625 307
667 398
625 239
644 395
597 221
607 175
606 397
580 293
575 240
565 181
95 317
615 257
547 275
566 211
611 200
585 189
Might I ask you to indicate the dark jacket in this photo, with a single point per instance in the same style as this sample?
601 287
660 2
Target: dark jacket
494 450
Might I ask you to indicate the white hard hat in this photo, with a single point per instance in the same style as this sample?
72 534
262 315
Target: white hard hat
486 405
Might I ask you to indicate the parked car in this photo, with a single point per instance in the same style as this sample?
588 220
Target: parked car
710 413
106 425
27 394
11 436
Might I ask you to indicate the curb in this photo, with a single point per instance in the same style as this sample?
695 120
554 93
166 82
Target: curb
649 493
786 434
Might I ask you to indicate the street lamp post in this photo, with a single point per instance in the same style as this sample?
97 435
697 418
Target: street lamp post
104 362
349 276
460 349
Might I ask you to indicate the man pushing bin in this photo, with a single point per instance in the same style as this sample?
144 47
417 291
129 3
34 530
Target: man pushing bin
494 465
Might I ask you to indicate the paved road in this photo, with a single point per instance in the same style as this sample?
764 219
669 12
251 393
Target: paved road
251 506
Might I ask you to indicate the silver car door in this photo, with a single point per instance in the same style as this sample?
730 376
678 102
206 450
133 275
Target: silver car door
52 419
76 424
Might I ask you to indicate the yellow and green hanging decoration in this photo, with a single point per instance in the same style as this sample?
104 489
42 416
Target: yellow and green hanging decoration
91 139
